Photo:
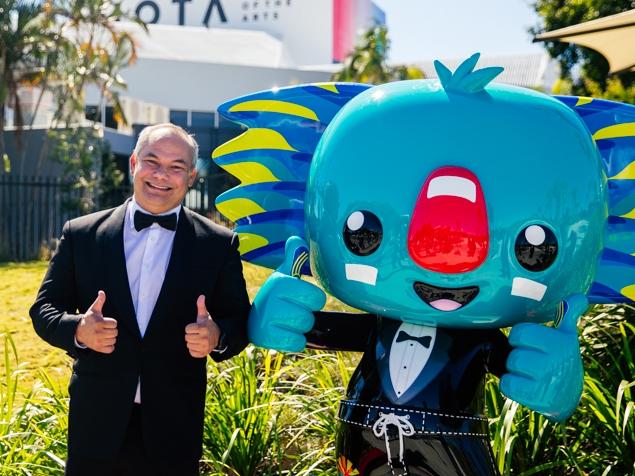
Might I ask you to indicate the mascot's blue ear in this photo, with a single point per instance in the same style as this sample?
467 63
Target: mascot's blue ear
612 126
271 160
465 79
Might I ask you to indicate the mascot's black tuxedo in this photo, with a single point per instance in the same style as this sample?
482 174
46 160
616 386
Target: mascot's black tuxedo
414 404
90 257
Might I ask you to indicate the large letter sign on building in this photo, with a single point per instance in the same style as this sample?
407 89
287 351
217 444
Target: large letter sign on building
313 31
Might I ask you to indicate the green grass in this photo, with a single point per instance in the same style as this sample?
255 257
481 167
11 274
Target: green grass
19 283
253 406
269 413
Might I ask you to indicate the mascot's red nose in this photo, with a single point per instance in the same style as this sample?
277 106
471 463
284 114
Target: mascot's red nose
448 232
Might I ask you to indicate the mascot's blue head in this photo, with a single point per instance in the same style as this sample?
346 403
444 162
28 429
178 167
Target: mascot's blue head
455 202
445 203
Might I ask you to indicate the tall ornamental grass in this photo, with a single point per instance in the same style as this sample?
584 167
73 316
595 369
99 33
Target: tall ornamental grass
32 425
274 414
268 413
599 439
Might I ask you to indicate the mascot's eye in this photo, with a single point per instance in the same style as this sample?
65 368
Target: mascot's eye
536 248
362 232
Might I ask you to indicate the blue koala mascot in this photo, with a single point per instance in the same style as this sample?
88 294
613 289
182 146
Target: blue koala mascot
445 210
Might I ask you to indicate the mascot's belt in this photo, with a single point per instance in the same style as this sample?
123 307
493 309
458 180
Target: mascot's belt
399 421
395 423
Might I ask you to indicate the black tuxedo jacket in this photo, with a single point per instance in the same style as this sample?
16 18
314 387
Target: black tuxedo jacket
451 379
90 257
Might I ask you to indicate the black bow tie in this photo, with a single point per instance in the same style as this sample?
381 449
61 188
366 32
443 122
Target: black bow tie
424 341
144 220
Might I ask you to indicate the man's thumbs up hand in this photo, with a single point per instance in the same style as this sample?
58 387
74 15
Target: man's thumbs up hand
95 331
201 310
98 305
202 336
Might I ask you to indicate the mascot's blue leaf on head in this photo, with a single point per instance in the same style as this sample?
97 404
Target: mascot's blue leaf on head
445 210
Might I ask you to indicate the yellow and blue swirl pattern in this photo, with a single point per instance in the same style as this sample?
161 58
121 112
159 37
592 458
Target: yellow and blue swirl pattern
271 160
612 126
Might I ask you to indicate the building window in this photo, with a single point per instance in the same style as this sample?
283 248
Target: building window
179 118
110 118
202 119
93 113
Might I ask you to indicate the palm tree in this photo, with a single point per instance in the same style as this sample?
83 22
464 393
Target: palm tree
61 46
97 52
368 61
25 48
98 48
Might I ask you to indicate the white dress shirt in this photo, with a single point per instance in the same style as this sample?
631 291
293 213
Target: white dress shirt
408 358
147 255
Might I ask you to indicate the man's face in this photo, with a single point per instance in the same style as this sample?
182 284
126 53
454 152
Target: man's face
162 172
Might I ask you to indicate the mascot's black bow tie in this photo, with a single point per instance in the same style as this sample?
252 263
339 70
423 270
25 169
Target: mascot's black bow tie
424 341
143 220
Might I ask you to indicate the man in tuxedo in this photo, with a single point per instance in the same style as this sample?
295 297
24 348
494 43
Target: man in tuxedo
127 296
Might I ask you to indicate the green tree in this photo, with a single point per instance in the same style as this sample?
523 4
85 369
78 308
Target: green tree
368 61
27 47
62 46
97 50
594 68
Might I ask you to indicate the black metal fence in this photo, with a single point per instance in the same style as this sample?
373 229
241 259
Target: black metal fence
33 211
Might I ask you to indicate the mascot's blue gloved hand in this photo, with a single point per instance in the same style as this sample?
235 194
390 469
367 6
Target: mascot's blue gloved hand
283 309
545 367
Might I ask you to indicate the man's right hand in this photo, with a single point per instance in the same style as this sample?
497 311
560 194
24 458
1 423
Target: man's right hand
95 331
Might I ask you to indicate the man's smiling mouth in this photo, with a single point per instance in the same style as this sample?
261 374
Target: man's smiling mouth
445 299
158 187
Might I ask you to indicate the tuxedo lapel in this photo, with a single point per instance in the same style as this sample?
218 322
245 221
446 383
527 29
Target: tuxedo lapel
177 270
110 245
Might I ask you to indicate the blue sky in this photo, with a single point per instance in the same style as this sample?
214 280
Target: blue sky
429 29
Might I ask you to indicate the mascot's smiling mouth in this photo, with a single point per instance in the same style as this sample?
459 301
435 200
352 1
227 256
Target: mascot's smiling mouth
445 299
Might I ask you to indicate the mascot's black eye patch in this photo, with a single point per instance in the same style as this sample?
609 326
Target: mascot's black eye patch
362 232
536 248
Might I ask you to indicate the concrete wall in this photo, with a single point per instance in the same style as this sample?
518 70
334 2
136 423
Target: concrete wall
24 160
30 161
203 86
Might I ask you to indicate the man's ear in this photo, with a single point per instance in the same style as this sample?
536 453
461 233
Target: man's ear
133 162
192 176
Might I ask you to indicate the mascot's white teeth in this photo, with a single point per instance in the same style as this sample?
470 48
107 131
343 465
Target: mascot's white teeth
362 273
529 289
452 186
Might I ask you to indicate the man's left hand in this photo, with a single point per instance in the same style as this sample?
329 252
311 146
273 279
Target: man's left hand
202 336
